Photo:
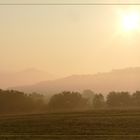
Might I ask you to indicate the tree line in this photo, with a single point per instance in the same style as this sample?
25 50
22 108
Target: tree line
12 101
114 100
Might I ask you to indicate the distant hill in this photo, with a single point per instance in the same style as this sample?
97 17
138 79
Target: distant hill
122 79
25 77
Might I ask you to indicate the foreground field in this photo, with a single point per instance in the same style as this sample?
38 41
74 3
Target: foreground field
95 125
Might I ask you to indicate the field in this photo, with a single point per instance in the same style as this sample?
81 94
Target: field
91 125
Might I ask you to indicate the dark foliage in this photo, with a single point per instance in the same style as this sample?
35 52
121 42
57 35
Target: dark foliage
98 101
67 101
12 101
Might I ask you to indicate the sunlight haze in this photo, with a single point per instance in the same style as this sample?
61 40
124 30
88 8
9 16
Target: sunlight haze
66 39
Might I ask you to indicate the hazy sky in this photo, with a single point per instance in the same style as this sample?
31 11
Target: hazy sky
68 39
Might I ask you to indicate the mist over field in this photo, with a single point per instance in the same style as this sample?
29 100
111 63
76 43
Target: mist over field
69 70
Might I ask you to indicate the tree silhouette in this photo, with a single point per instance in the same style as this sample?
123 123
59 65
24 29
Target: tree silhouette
118 100
136 99
67 101
98 101
12 101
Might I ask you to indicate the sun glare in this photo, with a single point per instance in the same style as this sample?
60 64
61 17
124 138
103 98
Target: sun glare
131 21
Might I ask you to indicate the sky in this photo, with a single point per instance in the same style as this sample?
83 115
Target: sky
67 39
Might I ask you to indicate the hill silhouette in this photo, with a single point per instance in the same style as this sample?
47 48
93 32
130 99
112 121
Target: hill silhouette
24 77
127 79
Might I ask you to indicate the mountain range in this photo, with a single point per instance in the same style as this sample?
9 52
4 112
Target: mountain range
127 79
24 77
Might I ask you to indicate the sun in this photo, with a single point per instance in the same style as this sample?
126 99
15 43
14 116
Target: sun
130 21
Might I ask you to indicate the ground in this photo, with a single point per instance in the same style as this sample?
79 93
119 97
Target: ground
89 125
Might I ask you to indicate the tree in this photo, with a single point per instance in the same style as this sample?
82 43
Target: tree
67 101
118 100
136 99
12 101
98 101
